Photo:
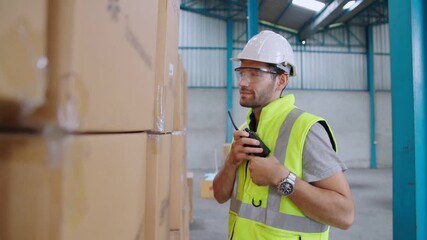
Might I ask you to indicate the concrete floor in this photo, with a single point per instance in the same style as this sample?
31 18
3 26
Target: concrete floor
372 194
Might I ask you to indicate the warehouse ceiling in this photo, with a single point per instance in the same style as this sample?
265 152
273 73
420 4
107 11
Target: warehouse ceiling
286 15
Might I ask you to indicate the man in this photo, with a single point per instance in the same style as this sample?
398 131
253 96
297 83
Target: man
299 189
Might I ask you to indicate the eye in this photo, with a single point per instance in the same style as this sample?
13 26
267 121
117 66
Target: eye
254 73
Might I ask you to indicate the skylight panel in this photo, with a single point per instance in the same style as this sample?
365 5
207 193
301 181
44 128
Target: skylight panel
309 4
348 4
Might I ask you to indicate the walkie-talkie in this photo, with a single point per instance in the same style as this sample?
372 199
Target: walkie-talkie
254 135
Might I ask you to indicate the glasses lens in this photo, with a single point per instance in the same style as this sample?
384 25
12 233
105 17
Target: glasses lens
252 74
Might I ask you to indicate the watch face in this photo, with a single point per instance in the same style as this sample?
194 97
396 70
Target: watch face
286 188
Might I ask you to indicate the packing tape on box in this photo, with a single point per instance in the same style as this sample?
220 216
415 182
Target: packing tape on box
78 196
57 142
67 114
179 133
159 114
60 146
73 98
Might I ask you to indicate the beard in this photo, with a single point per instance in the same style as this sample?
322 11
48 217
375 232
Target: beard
256 99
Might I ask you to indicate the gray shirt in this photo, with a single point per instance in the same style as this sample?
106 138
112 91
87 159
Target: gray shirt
320 161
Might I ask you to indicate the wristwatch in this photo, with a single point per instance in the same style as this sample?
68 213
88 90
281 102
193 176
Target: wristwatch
286 186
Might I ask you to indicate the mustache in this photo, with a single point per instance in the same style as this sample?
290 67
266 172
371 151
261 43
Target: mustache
245 89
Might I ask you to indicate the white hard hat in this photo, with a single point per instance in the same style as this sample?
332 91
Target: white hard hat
269 47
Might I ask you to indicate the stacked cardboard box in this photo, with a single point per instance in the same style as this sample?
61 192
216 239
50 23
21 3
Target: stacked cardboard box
72 187
92 121
167 68
101 65
158 187
180 203
190 177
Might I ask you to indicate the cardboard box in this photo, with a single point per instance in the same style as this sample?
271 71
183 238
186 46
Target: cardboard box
178 185
175 235
178 235
206 188
23 79
166 65
102 63
190 177
58 187
180 111
158 187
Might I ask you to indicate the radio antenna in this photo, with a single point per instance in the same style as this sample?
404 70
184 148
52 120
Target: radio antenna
235 127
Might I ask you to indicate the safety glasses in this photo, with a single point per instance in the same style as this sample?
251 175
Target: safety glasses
252 74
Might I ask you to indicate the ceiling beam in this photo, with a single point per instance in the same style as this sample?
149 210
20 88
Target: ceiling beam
330 13
358 7
282 13
222 10
204 12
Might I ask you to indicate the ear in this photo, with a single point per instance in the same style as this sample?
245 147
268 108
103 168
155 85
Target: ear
282 81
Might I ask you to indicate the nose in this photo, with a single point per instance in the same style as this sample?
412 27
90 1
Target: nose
244 80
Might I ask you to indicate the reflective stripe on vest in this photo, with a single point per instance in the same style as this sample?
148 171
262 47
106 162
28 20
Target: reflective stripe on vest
271 215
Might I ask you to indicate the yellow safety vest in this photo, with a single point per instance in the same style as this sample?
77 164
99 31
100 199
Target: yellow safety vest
259 212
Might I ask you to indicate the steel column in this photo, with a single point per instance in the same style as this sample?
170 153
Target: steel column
371 86
252 18
402 97
229 77
419 53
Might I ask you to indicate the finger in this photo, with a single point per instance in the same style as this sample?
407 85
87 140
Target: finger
250 141
239 134
253 149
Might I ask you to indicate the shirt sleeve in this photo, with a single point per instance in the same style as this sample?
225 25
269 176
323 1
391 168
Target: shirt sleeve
320 161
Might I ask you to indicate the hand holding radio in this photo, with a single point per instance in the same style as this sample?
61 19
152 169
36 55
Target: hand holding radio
253 135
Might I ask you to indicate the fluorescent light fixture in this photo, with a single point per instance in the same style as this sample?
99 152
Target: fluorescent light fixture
309 4
336 25
348 4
